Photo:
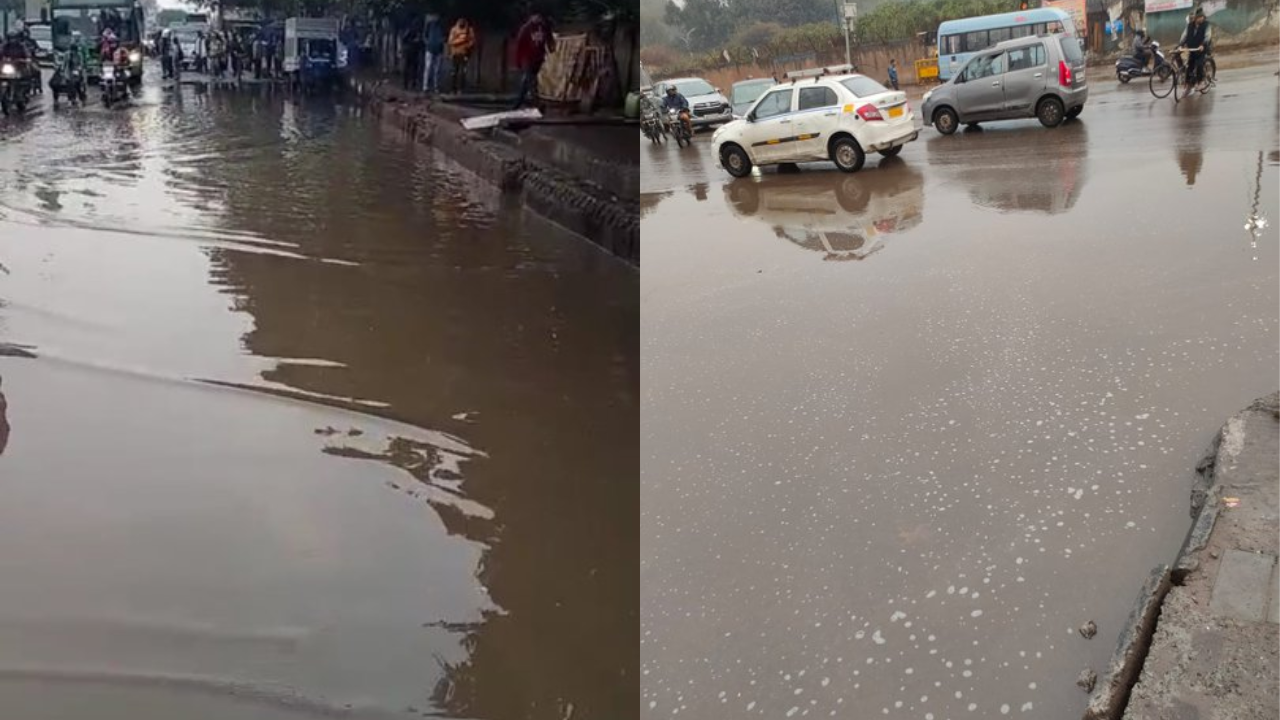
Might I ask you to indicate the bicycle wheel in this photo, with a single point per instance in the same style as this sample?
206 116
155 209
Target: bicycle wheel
1179 85
1162 81
1210 75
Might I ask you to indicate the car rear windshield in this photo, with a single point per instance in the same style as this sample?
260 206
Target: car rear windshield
1071 49
749 92
693 88
862 86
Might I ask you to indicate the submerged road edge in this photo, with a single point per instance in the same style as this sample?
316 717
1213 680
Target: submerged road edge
1208 625
606 220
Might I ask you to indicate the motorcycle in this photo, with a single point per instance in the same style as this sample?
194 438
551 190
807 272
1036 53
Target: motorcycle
678 127
653 127
68 79
114 83
1130 67
15 88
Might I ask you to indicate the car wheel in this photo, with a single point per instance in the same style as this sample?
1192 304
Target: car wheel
1050 112
946 120
847 154
735 161
852 196
1074 112
892 152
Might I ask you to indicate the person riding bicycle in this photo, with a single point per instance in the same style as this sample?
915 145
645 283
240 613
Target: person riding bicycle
1197 37
675 101
1142 47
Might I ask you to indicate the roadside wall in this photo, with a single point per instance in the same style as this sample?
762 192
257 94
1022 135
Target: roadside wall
872 60
1236 23
607 220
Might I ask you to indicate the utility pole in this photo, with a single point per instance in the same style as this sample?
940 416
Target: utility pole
842 16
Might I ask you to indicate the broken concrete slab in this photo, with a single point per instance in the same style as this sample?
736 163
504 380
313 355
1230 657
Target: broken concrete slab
1112 691
1214 655
1242 587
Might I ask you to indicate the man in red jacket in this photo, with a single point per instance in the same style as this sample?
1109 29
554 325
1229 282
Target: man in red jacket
533 41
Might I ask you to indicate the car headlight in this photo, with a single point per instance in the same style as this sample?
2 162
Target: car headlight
8 69
135 57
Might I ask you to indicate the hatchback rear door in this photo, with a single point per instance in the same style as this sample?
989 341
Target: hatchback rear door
1073 58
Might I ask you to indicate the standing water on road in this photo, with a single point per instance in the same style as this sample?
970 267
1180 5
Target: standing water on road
904 431
299 419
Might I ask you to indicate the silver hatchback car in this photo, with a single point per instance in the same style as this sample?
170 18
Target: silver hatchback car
1041 77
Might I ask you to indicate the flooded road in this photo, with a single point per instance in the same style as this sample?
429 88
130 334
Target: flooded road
904 431
301 420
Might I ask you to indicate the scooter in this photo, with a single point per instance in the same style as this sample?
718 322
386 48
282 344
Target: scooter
114 83
68 79
1130 67
15 88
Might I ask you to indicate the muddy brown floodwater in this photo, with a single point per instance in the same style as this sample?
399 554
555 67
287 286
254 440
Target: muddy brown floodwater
904 431
300 420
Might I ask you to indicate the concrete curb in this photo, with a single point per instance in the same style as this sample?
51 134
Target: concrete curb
1111 698
1112 693
608 221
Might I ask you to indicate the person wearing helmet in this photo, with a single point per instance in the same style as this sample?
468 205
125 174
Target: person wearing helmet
17 51
1141 47
675 101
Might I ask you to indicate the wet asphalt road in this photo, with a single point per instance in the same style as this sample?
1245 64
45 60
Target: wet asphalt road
317 425
904 431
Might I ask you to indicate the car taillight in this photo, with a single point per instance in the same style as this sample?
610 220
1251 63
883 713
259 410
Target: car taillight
869 113
1064 74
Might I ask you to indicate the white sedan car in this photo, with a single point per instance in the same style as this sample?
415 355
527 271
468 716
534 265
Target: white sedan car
839 118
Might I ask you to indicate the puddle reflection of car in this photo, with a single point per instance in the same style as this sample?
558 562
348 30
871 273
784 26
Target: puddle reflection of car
997 174
845 217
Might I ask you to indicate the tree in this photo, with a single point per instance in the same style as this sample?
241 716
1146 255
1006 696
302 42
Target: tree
705 24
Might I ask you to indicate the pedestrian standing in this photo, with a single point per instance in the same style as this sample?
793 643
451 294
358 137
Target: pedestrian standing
893 73
433 43
411 45
462 40
259 52
533 41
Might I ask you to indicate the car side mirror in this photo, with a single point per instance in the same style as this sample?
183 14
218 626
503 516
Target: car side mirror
960 79
751 117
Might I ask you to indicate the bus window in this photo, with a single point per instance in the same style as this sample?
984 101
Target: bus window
999 35
1055 27
1022 31
951 44
975 41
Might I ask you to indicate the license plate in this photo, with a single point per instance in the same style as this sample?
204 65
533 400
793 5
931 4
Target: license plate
895 112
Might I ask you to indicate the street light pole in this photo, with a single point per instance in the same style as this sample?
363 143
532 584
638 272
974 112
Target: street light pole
844 21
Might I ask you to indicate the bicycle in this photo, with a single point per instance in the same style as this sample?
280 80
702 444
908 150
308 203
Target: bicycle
1208 78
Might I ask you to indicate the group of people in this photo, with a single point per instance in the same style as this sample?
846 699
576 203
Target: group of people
426 47
221 54
1197 37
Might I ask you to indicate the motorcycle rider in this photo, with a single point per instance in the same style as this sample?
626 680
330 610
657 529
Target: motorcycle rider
675 101
17 51
1142 48
1197 36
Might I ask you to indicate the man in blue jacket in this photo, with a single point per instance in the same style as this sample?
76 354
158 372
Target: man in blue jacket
435 40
